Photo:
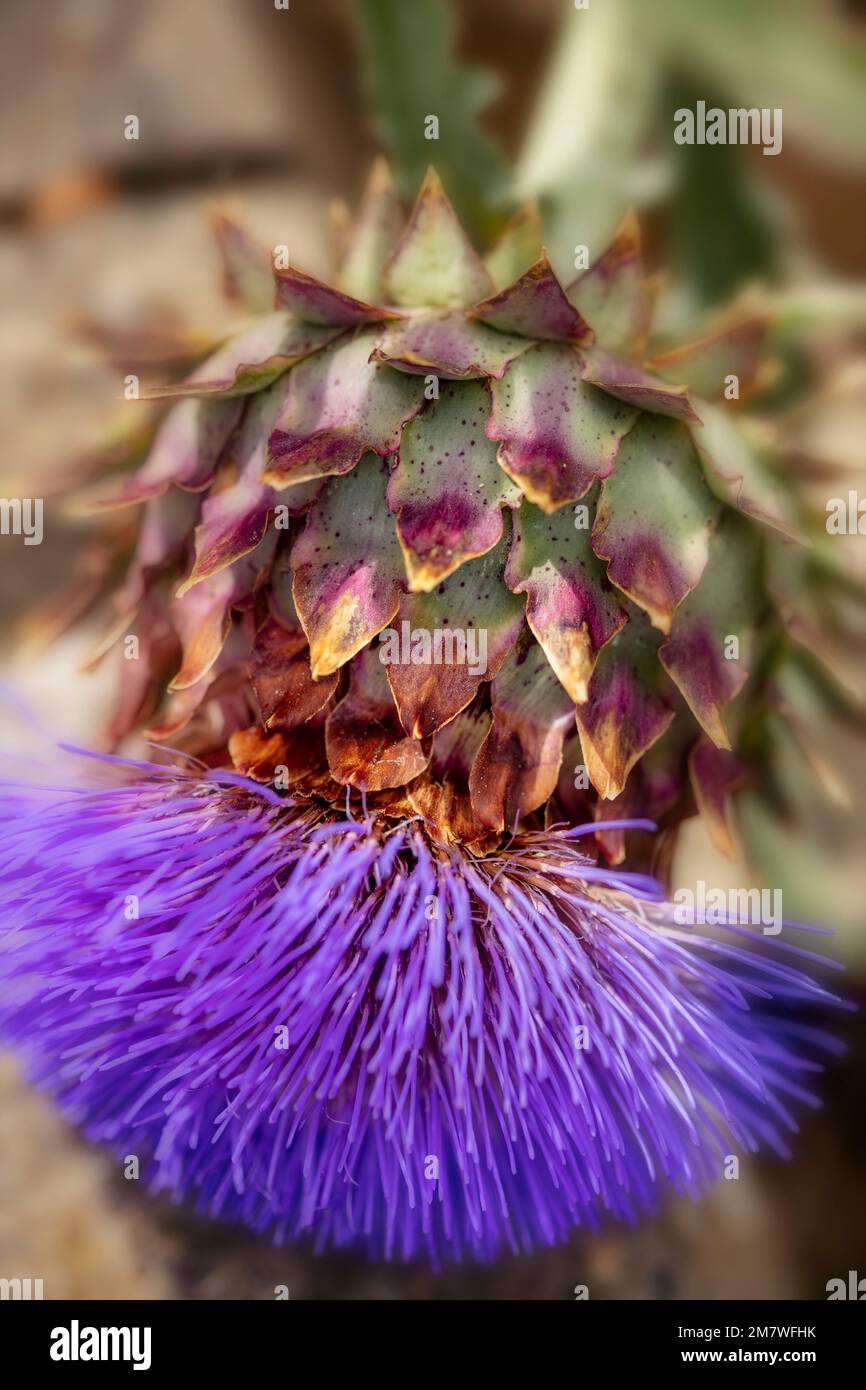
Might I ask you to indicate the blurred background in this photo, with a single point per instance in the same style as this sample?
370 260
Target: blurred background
276 112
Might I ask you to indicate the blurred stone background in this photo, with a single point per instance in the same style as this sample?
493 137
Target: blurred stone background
241 103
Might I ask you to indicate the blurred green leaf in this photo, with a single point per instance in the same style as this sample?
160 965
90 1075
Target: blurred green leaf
821 305
821 884
602 135
799 55
721 231
412 74
583 157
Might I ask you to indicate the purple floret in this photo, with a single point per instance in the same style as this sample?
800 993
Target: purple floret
334 1028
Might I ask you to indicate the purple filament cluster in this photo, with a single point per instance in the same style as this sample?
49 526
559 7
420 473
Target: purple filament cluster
331 1028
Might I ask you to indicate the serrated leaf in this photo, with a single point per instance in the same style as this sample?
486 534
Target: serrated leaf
163 536
280 675
557 433
630 704
184 453
441 795
612 294
655 517
248 276
252 360
312 301
715 775
704 365
535 306
448 345
434 264
726 604
734 471
630 383
517 765
448 489
338 405
366 745
202 615
570 607
226 681
797 593
293 754
142 682
234 518
471 622
348 566
654 788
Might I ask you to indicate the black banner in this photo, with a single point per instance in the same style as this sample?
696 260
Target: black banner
73 1338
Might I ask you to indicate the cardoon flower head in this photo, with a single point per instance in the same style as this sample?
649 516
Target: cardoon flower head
469 451
326 1026
446 579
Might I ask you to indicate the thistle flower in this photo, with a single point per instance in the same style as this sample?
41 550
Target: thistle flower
368 970
327 1027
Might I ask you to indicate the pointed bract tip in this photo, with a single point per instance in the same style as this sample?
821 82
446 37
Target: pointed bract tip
380 179
225 219
340 220
628 232
432 186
